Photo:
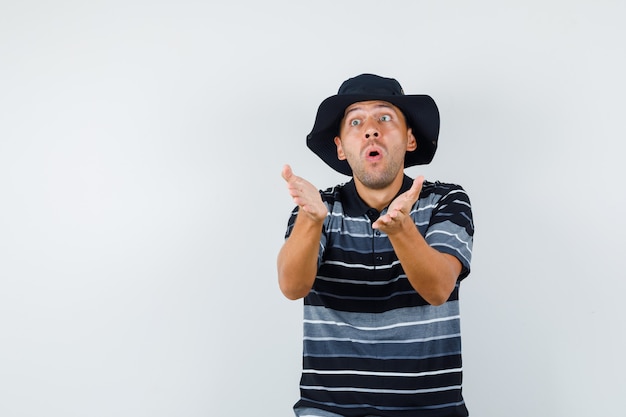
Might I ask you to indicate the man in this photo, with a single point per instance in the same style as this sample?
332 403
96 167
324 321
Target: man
378 261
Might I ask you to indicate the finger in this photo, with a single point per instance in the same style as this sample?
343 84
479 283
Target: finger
286 173
417 184
382 221
414 192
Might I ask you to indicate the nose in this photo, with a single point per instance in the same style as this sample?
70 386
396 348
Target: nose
371 131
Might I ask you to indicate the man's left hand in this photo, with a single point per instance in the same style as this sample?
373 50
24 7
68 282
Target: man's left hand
399 209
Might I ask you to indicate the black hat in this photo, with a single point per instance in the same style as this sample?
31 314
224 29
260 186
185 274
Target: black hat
421 114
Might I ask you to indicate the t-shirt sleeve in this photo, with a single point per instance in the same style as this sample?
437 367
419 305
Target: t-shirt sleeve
451 228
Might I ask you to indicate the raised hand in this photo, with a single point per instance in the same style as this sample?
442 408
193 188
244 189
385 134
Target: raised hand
399 209
305 195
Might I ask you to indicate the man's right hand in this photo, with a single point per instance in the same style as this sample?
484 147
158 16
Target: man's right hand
305 195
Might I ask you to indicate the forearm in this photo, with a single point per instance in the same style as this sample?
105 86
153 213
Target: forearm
297 259
432 274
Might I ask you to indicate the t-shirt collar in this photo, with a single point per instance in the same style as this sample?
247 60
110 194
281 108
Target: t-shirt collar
354 206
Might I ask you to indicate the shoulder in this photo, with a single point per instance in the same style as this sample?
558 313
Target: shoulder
337 194
435 192
441 188
332 193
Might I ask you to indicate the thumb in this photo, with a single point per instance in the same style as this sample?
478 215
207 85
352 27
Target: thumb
416 187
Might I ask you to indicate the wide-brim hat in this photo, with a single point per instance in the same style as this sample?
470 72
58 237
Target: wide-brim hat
421 114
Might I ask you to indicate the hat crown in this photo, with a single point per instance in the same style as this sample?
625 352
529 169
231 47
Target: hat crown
371 84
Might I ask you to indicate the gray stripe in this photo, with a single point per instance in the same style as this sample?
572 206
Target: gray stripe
408 330
392 317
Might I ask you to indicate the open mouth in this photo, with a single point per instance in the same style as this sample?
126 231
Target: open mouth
373 155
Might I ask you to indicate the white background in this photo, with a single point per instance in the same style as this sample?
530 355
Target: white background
142 208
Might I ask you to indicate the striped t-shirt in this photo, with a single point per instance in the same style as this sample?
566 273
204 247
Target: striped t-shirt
372 346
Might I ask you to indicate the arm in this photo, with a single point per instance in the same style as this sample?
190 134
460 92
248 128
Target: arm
297 259
432 274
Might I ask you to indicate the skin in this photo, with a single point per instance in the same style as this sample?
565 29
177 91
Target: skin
373 138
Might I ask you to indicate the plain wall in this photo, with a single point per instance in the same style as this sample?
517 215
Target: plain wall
142 208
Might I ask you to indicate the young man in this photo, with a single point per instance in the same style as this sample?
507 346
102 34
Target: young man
378 261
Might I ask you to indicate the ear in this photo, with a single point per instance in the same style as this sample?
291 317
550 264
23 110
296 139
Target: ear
340 155
411 143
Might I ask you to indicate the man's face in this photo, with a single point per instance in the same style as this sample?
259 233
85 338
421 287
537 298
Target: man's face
373 138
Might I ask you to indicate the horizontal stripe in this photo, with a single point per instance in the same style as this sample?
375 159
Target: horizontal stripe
453 248
423 208
390 326
382 365
362 266
384 408
382 357
386 374
346 297
454 235
436 328
381 391
399 315
345 350
340 231
310 412
405 341
341 214
356 282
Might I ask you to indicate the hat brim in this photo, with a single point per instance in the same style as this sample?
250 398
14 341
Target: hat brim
422 117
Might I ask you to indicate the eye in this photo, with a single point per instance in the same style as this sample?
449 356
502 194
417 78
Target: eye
355 122
385 118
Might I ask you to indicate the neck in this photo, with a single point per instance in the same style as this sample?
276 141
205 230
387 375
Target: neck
379 198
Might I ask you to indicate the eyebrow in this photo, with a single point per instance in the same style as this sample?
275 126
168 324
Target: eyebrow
388 106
